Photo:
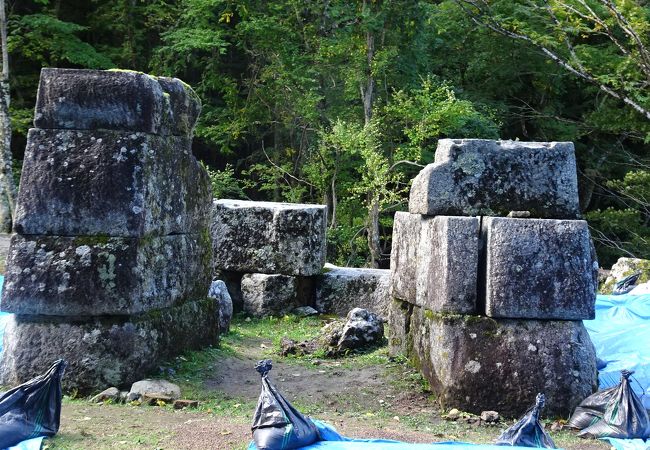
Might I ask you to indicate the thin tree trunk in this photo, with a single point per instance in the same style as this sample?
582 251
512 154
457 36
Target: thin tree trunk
7 188
373 233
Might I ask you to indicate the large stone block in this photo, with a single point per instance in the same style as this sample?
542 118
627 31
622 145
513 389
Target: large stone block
447 264
475 177
340 289
108 351
115 100
110 183
476 363
403 255
274 295
399 325
90 276
265 237
540 269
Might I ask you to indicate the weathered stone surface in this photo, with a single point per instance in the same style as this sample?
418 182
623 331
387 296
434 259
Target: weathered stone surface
399 325
340 289
447 264
274 295
104 352
265 237
91 275
219 291
110 394
625 267
233 284
540 269
361 329
472 177
110 183
115 100
517 358
149 386
403 256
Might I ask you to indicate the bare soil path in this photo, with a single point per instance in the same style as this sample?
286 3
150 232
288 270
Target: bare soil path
366 396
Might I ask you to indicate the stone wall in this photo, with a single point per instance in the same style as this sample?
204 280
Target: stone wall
490 307
110 265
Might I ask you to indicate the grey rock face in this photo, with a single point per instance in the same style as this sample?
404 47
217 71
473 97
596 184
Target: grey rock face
219 292
399 319
115 100
447 264
87 275
340 289
110 183
540 269
265 237
274 295
361 329
403 256
149 386
112 394
518 358
104 352
472 177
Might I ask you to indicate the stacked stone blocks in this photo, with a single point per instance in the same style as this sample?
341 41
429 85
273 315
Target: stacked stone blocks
480 298
268 253
111 260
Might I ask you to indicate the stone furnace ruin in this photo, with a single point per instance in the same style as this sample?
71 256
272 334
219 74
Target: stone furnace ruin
110 265
491 275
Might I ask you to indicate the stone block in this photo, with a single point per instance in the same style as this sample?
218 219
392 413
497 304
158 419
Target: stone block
540 269
476 177
340 289
447 264
110 183
403 256
104 352
274 295
399 323
266 237
115 100
90 275
477 363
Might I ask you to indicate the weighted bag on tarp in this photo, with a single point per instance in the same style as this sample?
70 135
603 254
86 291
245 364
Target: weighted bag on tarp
32 409
626 284
616 412
276 424
528 431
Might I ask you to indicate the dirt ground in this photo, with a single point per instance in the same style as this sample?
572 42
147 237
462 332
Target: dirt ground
371 400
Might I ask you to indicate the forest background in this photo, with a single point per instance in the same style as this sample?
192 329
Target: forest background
342 102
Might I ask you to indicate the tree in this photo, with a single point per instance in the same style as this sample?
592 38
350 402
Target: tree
7 186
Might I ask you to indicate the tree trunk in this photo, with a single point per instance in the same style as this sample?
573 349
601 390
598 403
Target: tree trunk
373 234
7 188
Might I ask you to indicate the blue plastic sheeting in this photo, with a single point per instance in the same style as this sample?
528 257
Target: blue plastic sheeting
4 317
621 335
628 444
332 440
29 444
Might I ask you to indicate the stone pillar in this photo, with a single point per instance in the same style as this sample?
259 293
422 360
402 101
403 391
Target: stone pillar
110 265
490 307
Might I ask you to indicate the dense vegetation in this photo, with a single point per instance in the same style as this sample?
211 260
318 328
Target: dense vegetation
341 102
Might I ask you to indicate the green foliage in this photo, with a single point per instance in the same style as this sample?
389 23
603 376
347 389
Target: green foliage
225 184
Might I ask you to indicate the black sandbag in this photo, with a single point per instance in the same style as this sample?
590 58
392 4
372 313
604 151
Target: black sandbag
626 284
616 412
276 424
32 409
528 431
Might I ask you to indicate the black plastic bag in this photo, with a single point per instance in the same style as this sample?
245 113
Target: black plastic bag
616 412
276 424
528 431
32 409
626 284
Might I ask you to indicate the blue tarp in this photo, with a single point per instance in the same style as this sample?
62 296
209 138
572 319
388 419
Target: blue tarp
621 335
332 440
